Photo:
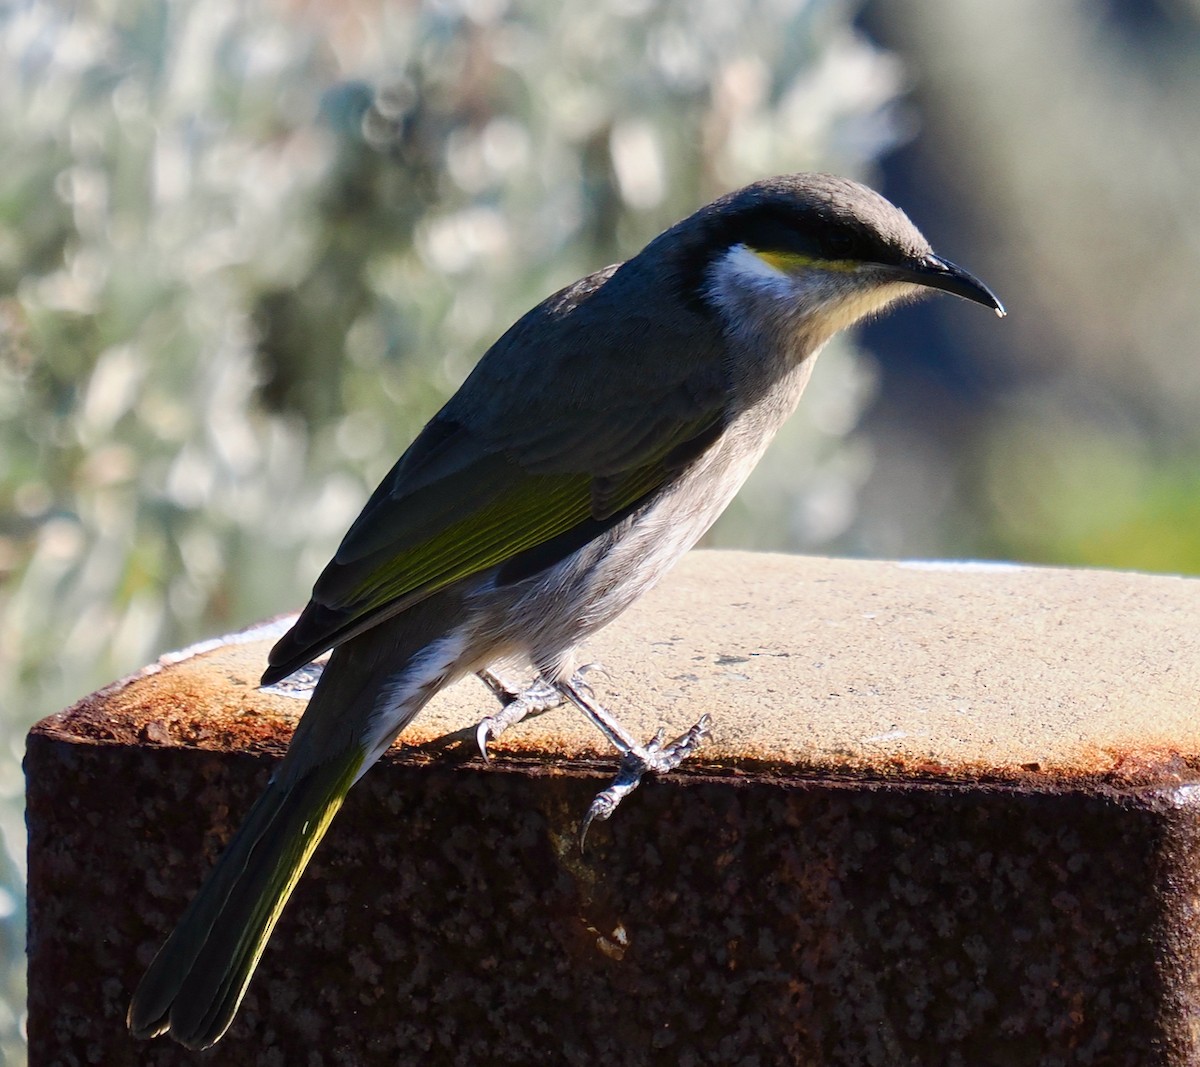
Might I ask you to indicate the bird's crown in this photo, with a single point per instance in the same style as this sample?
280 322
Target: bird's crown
812 218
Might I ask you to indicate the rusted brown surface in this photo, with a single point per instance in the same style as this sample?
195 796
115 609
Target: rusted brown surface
947 818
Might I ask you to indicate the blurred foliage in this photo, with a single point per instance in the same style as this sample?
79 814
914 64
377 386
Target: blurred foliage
246 249
1061 142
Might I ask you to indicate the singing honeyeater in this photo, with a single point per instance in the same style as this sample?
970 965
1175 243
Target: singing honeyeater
591 447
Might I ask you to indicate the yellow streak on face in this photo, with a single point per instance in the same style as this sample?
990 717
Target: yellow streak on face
848 301
790 262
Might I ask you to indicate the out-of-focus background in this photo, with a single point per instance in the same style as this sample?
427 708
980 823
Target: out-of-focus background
247 248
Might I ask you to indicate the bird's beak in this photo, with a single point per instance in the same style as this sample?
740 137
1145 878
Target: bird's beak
937 273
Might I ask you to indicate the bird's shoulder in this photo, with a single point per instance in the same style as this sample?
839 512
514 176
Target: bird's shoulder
615 352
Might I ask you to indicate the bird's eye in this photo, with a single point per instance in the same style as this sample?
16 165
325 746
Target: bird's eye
837 244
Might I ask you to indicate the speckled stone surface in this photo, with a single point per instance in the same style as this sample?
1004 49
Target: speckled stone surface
948 816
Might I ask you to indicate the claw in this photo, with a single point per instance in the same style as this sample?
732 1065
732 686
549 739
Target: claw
582 685
601 808
687 743
590 668
483 733
538 697
628 778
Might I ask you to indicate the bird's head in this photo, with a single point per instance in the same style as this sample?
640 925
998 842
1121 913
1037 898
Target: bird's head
816 251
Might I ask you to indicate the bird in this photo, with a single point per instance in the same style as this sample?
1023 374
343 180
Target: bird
590 447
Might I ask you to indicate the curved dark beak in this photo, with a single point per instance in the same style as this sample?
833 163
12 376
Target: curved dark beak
937 273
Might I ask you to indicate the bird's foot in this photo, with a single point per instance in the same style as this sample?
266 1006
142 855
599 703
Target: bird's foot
537 697
636 759
656 758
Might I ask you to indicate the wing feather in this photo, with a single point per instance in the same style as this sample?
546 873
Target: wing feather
571 419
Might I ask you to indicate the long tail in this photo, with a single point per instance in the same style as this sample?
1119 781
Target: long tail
372 687
196 982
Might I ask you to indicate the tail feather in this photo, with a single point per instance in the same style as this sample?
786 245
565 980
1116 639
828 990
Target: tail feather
372 687
194 986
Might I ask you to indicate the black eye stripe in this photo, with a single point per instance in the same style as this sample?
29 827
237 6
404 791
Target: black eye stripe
768 229
813 233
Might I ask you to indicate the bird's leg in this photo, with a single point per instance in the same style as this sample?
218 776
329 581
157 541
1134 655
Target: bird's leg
636 759
539 696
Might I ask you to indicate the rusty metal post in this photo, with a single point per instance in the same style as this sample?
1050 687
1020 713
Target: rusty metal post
949 817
